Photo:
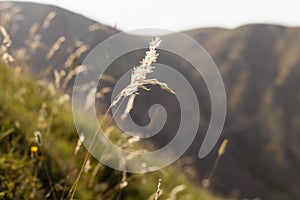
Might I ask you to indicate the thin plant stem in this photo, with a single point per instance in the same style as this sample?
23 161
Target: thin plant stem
221 152
50 181
88 155
117 109
216 163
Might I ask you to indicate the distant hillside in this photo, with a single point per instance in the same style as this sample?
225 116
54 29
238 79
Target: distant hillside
260 65
36 32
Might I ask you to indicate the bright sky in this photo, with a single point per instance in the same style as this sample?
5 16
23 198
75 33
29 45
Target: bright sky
180 15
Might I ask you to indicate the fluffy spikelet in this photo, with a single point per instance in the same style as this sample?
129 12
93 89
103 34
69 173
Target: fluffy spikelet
158 191
48 20
55 47
222 148
5 44
81 48
139 78
6 38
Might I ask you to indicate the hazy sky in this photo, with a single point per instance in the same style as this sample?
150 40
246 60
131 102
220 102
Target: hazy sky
186 14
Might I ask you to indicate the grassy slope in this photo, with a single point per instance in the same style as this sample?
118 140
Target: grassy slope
26 107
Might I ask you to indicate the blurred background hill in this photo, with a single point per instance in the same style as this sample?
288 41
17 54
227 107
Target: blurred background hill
260 66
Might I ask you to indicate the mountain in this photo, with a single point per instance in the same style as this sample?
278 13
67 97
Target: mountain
260 66
35 33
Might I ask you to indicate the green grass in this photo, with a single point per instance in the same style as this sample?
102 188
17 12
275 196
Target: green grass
27 106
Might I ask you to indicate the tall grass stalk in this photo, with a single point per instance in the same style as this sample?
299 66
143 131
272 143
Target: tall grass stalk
138 81
221 152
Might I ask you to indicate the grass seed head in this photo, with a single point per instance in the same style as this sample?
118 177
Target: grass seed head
139 78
